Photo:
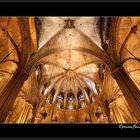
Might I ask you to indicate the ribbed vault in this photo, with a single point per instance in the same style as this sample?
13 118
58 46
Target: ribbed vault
72 76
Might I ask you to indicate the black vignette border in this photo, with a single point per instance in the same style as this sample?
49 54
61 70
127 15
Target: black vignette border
69 9
67 130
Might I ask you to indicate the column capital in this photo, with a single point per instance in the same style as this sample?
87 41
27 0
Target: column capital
23 71
117 69
119 96
112 103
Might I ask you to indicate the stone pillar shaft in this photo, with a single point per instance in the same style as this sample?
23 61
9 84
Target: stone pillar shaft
105 112
115 110
129 90
24 114
9 94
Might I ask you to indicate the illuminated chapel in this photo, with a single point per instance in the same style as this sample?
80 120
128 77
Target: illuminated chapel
70 70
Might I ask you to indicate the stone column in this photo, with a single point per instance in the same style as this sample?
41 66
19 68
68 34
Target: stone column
37 108
129 90
24 116
106 113
92 111
89 112
9 94
116 112
35 92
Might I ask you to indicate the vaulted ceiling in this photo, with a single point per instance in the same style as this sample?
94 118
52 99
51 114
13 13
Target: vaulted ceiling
73 70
